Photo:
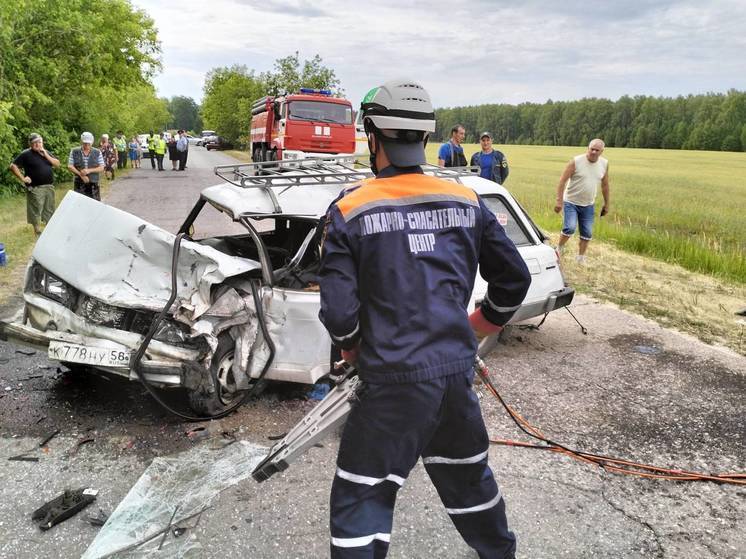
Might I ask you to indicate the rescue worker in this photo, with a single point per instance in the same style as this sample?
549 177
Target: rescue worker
151 149
159 146
399 257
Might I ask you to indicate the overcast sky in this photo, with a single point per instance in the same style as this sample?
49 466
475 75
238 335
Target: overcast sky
465 53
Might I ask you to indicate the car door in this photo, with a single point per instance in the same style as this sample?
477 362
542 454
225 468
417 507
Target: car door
540 258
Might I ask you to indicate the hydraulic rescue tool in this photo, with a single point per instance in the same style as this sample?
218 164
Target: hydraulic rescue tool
328 414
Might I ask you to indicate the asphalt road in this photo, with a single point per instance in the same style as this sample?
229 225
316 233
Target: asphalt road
628 388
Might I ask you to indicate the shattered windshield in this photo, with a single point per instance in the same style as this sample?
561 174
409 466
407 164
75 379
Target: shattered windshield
319 111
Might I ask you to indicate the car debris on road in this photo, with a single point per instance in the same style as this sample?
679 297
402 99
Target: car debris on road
70 503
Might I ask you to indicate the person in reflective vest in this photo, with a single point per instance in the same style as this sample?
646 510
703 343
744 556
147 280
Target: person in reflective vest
159 146
399 256
151 149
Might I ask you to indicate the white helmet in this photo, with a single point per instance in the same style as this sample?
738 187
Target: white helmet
401 115
86 138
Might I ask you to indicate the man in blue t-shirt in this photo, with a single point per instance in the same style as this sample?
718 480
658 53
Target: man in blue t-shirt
451 154
492 163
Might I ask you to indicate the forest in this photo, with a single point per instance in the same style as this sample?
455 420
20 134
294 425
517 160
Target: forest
713 121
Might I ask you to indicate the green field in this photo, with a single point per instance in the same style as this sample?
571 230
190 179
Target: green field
682 207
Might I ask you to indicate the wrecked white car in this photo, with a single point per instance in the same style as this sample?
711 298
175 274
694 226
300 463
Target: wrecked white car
99 289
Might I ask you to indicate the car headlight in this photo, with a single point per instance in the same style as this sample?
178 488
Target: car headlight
52 287
102 313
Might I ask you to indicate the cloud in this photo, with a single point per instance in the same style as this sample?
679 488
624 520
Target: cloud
468 53
286 7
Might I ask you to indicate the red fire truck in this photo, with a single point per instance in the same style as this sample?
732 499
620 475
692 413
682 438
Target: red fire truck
306 124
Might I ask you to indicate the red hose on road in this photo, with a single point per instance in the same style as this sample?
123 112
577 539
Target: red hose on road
607 463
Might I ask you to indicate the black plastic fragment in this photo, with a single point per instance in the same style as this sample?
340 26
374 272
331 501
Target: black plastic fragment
70 503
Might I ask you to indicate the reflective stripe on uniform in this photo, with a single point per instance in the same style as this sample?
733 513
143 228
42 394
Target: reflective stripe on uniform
403 190
497 308
361 541
477 508
366 480
347 336
445 460
408 201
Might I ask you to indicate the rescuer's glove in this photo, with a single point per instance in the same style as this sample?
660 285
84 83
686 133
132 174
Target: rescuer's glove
351 355
481 326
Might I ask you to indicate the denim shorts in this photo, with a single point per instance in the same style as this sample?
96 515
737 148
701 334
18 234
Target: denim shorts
574 214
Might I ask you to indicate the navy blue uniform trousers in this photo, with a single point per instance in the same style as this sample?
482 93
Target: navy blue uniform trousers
386 433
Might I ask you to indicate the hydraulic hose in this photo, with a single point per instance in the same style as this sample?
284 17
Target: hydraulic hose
135 363
607 463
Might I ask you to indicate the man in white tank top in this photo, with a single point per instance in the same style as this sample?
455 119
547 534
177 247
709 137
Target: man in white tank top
576 194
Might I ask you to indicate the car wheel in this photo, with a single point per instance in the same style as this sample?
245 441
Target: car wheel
271 155
222 396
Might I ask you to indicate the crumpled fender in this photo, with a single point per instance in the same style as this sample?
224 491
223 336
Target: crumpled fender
119 258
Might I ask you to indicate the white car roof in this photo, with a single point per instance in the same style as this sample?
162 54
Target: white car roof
302 194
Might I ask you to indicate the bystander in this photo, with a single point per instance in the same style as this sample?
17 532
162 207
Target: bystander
120 142
451 154
492 163
38 180
182 147
110 155
86 163
576 195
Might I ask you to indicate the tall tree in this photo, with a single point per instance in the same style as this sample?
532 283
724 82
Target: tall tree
184 113
226 106
289 76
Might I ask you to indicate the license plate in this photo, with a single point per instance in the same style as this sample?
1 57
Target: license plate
89 355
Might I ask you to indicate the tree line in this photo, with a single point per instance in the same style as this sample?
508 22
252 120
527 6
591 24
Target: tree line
713 121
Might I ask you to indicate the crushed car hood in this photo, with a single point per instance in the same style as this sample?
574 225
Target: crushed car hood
119 258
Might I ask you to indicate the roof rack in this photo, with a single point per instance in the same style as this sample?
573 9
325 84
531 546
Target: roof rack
333 169
327 169
290 172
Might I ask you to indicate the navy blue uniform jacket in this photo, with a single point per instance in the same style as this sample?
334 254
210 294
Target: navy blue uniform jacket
399 258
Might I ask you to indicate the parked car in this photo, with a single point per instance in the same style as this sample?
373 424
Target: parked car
247 301
205 134
143 139
216 142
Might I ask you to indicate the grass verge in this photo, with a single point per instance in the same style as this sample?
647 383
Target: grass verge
242 156
697 304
